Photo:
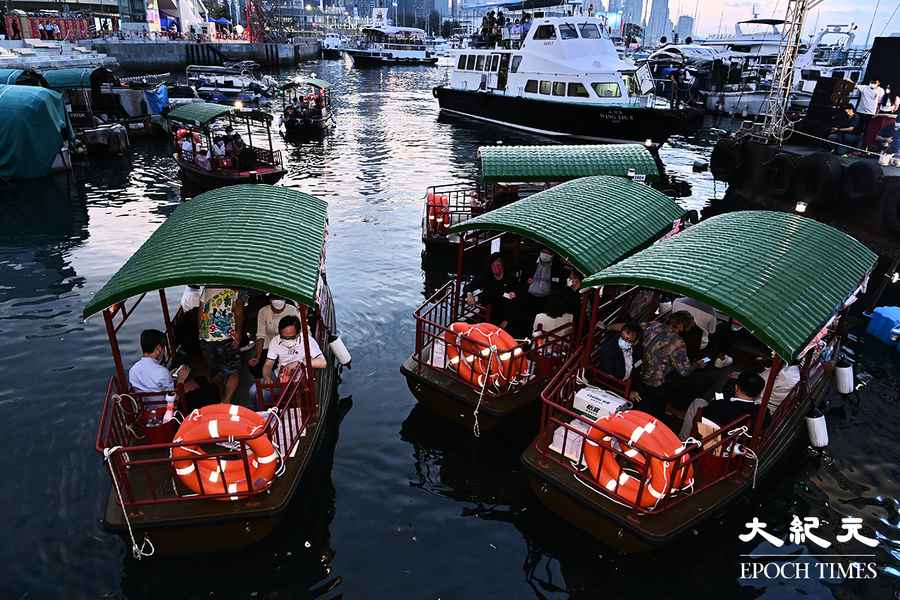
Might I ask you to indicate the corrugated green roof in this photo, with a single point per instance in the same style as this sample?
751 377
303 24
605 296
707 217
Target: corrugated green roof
260 237
69 79
298 81
592 221
558 163
10 76
781 275
200 113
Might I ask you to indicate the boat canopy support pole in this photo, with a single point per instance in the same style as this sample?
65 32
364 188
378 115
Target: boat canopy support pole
777 365
170 332
121 381
595 304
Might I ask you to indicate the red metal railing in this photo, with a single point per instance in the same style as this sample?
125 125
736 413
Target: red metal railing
443 308
145 472
447 205
711 460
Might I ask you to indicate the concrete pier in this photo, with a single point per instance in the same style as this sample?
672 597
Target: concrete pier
164 55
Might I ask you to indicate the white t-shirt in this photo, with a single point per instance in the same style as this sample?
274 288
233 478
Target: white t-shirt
267 322
786 380
147 375
628 355
292 351
869 99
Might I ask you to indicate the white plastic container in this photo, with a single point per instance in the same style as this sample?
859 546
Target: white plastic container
594 403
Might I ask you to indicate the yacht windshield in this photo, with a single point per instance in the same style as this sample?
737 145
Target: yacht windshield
631 83
568 32
545 32
589 31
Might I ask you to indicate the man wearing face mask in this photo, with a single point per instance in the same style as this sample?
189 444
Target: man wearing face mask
288 351
869 101
151 374
619 353
572 293
267 329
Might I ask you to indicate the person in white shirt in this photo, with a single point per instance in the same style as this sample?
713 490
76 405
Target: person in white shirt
150 373
554 318
786 380
869 101
286 352
267 320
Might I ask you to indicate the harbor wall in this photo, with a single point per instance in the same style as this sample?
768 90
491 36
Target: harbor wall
146 56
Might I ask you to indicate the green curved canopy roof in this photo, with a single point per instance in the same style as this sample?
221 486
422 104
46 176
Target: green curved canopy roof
298 81
200 113
21 77
72 79
557 162
260 237
781 275
593 221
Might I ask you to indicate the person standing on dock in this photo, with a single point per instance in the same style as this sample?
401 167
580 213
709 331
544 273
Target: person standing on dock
869 101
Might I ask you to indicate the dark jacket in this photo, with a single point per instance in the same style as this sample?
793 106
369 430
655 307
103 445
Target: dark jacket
611 359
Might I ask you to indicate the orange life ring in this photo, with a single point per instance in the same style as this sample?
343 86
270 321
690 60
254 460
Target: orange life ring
480 350
438 211
645 434
223 421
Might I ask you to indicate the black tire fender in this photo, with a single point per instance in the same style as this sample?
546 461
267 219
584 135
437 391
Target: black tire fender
780 173
727 160
863 180
817 178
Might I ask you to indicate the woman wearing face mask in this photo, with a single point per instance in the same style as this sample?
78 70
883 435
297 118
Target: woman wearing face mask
267 328
619 351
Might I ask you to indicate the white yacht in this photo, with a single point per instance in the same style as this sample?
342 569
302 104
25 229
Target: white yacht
565 80
234 82
437 46
830 54
387 44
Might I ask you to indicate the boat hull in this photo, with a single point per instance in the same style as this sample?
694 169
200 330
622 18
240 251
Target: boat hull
569 120
194 175
331 53
363 58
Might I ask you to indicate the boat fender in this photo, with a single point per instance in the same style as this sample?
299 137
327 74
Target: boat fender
779 174
340 351
700 166
862 181
817 178
843 377
434 92
727 160
817 429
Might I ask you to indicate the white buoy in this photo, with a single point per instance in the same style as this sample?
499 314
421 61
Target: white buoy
817 429
340 351
843 377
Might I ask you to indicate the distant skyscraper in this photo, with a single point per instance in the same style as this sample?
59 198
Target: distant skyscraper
658 23
685 27
632 11
615 6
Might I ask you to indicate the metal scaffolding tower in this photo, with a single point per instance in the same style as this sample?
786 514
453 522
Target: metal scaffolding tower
777 125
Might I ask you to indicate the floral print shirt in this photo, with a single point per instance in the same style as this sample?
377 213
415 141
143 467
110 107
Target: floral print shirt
664 352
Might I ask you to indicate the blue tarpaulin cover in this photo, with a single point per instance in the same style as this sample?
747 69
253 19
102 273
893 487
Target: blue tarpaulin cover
157 99
33 126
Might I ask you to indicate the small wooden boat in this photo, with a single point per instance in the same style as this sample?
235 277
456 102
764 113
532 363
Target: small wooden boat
201 123
451 368
788 280
306 106
151 495
505 174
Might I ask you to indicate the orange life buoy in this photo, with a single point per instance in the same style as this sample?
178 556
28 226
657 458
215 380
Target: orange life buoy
644 434
483 353
438 211
220 476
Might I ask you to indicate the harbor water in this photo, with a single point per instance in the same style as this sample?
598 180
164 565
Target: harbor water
400 504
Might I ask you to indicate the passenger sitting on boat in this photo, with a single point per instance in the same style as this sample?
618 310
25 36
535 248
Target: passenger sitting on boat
221 325
846 131
786 380
267 321
667 374
285 353
218 147
498 293
187 148
619 350
151 374
710 337
554 318
572 294
739 397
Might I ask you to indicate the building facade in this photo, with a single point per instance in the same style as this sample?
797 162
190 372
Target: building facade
632 11
685 27
657 23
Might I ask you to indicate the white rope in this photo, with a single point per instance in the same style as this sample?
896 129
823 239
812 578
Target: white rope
476 428
832 142
141 551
